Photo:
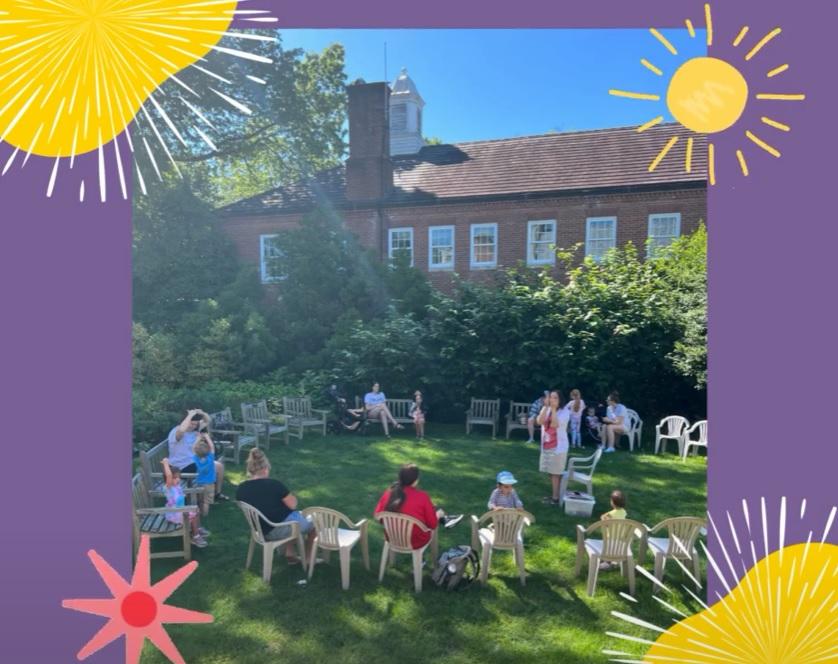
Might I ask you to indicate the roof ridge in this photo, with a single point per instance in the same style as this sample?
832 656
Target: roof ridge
555 133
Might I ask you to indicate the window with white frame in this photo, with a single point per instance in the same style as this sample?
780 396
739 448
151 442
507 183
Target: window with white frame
663 229
484 246
441 248
600 236
269 251
398 117
400 243
541 241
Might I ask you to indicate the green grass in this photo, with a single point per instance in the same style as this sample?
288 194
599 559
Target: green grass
551 617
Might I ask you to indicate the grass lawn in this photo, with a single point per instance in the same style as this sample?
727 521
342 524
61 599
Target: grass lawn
550 620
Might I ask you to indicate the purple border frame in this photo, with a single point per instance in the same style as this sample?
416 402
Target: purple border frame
66 286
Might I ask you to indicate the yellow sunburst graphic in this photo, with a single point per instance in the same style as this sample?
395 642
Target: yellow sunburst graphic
75 72
782 611
708 95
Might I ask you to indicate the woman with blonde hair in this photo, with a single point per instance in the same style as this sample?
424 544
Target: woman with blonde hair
274 500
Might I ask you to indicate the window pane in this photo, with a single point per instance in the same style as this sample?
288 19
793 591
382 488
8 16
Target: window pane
442 255
441 236
398 117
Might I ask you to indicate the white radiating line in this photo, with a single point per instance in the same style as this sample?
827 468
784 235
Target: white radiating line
616 652
261 20
628 597
260 81
140 177
20 113
10 160
213 74
103 185
128 138
764 525
733 573
73 149
55 120
626 637
166 119
52 176
153 160
247 35
782 526
829 523
233 102
181 84
32 145
791 575
81 192
15 98
652 578
802 508
244 55
669 606
806 551
206 139
637 621
198 113
251 11
747 515
699 600
119 167
160 139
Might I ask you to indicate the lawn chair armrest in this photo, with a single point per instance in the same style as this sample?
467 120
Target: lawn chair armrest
322 411
363 524
166 510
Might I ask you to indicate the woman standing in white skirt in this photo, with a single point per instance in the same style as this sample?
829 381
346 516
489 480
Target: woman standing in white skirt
553 422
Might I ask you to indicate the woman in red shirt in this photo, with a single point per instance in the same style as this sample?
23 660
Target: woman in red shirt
405 498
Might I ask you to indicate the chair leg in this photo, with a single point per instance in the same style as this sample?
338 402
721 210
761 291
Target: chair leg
486 562
519 558
267 563
417 570
365 551
301 551
593 571
385 558
630 569
344 567
578 567
312 558
659 560
250 553
187 541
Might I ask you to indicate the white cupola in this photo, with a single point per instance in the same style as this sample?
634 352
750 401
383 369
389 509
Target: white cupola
406 106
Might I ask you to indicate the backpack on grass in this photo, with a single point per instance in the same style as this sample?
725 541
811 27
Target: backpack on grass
456 568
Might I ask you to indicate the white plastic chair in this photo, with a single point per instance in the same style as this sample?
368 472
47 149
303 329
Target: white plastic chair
670 428
688 442
614 547
330 537
505 533
580 470
633 426
253 517
398 528
680 545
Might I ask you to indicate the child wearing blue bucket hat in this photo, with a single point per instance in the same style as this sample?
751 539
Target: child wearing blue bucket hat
504 496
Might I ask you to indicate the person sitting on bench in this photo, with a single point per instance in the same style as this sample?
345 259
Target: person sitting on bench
375 403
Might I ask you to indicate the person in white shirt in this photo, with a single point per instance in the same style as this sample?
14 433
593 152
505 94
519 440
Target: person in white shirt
613 425
375 404
553 421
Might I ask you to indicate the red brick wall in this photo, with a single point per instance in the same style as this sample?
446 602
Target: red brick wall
632 212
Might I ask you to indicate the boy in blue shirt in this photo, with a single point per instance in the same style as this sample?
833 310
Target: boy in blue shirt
204 460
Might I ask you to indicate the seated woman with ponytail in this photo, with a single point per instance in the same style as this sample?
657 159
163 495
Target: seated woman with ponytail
404 497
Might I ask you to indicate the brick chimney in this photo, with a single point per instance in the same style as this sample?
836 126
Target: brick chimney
369 171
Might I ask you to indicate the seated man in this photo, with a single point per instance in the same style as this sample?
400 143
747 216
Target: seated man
182 440
535 409
376 407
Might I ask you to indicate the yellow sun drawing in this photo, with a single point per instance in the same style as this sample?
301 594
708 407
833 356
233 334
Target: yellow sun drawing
708 95
781 610
75 73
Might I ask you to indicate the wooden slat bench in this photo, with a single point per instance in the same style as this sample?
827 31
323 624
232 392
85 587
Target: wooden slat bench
151 468
483 411
151 521
399 409
256 418
299 414
230 436
517 416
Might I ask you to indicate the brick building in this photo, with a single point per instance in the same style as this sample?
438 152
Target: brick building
475 207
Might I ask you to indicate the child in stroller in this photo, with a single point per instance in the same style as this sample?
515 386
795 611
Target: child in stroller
593 422
344 418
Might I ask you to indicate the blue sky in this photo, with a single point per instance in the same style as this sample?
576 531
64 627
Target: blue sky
481 84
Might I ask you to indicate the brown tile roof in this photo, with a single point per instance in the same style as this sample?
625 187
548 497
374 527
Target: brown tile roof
572 161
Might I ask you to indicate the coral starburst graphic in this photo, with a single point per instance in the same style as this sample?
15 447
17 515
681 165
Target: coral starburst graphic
709 95
136 609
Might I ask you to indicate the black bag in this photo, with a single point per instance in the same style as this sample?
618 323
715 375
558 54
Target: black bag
456 568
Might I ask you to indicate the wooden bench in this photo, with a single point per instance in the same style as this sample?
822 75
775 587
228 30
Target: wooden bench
151 521
256 418
230 436
299 414
483 411
516 418
399 409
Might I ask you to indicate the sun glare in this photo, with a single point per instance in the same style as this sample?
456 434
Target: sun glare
709 95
